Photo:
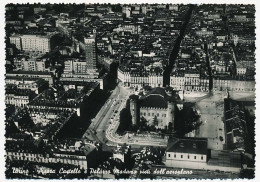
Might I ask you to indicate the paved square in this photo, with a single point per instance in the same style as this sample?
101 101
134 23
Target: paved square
211 110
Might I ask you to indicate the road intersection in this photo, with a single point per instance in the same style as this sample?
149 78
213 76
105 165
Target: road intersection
104 125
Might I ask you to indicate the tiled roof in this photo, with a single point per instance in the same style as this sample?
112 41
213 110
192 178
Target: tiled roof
188 145
155 101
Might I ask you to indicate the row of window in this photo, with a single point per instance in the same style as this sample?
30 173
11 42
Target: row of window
20 99
17 104
191 89
27 86
188 157
245 89
152 114
35 40
69 161
189 81
38 44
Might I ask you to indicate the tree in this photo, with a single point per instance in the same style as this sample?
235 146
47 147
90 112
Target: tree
170 127
247 173
125 120
155 121
186 120
143 124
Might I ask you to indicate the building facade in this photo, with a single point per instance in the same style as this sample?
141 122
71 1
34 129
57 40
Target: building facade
37 43
32 74
75 66
193 153
76 160
233 85
90 53
34 65
18 97
133 79
189 82
157 107
33 84
186 152
16 40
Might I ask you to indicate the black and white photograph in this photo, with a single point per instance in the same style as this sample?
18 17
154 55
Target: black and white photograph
129 91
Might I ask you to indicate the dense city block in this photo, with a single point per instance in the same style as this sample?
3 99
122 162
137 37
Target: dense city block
110 91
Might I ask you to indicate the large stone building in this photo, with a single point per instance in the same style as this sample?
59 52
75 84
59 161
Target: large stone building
129 77
157 106
48 76
72 99
132 28
76 70
18 97
236 126
193 153
75 66
36 85
190 151
33 64
90 52
189 82
37 43
233 85
80 154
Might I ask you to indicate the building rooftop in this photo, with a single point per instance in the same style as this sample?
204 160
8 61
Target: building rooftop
30 72
188 145
158 98
155 101
18 92
31 36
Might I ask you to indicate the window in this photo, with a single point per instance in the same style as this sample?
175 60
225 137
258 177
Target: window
188 156
144 114
174 155
148 114
169 155
152 114
194 157
201 157
181 156
157 114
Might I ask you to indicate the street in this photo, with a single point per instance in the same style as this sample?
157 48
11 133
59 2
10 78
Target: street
210 106
109 111
104 125
211 111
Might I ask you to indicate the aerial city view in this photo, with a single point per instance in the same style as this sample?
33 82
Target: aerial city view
140 91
